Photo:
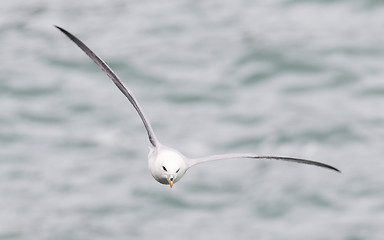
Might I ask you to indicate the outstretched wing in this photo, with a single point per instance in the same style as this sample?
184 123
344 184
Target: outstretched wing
195 161
99 62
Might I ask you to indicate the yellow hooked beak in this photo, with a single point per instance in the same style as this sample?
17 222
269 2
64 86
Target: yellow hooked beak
170 180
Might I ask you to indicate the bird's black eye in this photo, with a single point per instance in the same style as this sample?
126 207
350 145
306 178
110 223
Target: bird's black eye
164 168
177 170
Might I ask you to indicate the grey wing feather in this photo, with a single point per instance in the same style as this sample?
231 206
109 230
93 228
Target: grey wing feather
99 62
195 161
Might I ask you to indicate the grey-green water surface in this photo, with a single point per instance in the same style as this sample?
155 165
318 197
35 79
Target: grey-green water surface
297 78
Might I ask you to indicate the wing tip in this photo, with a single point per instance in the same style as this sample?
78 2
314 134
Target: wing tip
64 31
335 169
60 28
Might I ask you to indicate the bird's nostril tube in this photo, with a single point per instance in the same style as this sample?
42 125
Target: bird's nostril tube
171 178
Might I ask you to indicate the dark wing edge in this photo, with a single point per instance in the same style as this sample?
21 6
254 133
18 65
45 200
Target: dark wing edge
195 161
99 62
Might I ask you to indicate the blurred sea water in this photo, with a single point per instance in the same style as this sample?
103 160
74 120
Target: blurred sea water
287 77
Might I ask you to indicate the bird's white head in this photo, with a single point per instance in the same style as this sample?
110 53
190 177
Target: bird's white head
167 165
